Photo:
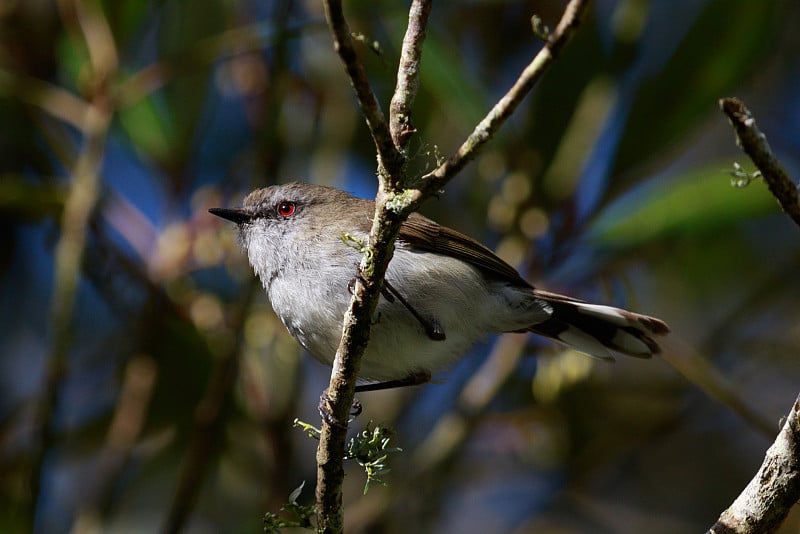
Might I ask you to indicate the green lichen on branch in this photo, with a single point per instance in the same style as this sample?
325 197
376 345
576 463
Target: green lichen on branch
400 201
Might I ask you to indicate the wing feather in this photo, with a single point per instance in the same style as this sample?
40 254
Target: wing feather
424 234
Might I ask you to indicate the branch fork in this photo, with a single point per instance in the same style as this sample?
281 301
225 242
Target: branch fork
395 200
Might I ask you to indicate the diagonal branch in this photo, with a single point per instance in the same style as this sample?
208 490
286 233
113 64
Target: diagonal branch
755 145
491 123
55 100
766 501
388 155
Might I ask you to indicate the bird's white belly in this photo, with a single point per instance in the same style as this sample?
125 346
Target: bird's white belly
445 290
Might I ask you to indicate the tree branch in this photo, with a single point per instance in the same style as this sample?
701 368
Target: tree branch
210 418
78 207
388 155
770 495
766 501
485 130
386 224
755 145
69 252
346 364
393 204
408 74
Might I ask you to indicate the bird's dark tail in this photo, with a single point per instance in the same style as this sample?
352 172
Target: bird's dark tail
597 330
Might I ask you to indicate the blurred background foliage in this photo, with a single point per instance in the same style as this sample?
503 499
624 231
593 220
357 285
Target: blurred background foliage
145 383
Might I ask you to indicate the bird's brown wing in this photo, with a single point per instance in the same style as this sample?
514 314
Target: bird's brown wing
424 234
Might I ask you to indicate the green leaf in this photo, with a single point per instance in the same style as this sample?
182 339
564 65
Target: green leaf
701 201
296 493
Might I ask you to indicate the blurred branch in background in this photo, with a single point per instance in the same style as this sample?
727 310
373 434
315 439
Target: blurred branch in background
55 100
78 207
210 419
212 414
123 433
93 118
447 438
206 52
701 372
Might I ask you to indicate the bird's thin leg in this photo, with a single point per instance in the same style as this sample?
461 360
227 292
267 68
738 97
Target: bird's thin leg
326 413
414 379
432 327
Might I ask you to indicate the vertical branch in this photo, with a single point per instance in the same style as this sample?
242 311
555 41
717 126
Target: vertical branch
388 155
386 224
408 74
79 204
392 205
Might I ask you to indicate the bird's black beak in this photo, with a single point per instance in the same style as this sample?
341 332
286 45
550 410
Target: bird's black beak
237 215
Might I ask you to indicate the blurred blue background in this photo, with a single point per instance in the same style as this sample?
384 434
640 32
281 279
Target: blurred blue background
163 396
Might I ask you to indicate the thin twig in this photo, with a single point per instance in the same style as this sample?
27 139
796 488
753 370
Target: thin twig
388 155
408 74
70 249
755 145
393 203
139 379
69 253
55 100
766 501
485 130
211 415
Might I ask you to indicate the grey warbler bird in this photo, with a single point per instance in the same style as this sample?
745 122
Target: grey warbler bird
443 291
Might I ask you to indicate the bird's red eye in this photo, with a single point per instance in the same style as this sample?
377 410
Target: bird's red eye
286 209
